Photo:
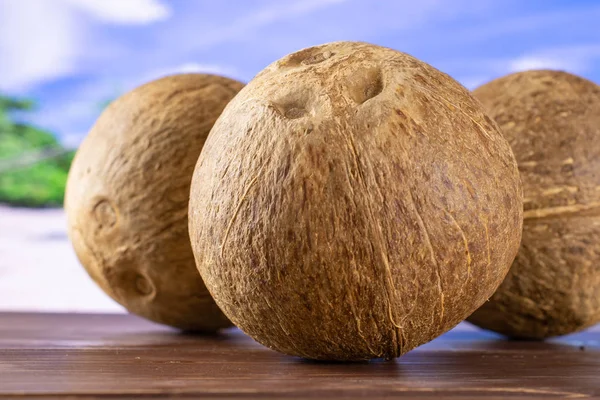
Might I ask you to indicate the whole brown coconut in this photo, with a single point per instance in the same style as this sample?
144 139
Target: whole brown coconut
552 121
127 197
353 202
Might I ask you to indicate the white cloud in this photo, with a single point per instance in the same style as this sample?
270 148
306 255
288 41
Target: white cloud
575 59
124 11
239 28
502 26
540 62
39 41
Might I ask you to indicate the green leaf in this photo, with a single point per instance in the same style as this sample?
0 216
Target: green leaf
40 184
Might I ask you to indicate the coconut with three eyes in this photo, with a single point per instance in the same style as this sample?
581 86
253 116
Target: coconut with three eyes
353 202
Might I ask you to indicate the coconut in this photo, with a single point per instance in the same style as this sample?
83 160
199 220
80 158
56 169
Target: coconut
353 202
127 196
552 121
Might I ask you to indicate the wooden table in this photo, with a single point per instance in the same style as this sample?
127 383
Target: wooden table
119 356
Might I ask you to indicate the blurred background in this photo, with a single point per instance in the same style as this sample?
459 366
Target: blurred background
62 61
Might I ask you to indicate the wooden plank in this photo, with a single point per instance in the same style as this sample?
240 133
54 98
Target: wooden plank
118 356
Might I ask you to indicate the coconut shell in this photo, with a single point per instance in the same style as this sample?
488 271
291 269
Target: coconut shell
127 196
552 121
353 202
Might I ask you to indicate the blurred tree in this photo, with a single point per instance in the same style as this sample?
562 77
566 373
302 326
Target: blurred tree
33 164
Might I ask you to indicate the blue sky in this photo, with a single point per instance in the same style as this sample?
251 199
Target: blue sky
72 55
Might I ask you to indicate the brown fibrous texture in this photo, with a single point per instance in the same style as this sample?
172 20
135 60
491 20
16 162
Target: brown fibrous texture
552 121
353 202
127 198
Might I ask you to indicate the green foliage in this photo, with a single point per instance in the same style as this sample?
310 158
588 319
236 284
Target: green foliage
12 104
38 184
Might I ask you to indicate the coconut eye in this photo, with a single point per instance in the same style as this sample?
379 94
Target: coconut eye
317 58
105 214
311 56
294 105
143 285
365 84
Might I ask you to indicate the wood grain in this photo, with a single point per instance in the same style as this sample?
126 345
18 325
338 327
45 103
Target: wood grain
120 356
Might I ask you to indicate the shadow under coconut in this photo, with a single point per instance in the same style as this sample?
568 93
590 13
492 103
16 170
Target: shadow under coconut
585 338
309 361
468 339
